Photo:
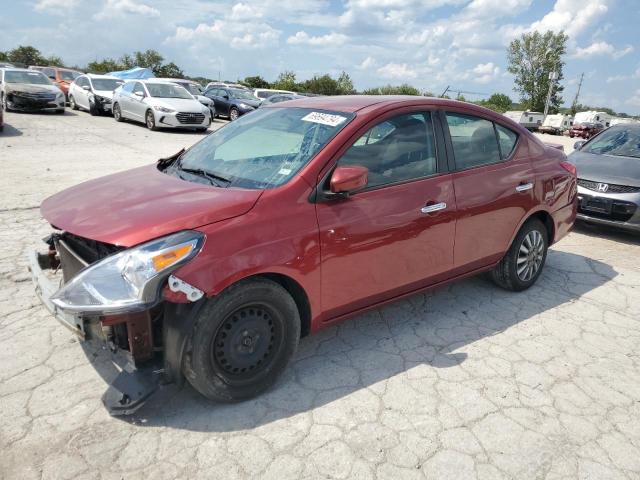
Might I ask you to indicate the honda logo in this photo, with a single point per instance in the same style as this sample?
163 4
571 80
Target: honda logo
603 187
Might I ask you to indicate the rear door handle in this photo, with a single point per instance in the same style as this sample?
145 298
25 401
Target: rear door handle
523 187
433 208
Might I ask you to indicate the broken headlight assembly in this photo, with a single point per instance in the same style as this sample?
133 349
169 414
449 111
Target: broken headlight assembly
129 280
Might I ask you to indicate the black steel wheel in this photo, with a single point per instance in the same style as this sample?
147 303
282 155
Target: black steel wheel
242 340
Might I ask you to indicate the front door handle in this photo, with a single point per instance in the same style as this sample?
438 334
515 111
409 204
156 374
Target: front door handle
433 208
523 187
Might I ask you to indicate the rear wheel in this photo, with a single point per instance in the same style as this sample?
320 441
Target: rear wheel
242 341
233 114
117 114
150 120
522 265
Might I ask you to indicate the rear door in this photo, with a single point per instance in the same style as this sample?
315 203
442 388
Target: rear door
494 186
396 235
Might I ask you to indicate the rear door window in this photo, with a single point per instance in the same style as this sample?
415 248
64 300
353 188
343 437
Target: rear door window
474 141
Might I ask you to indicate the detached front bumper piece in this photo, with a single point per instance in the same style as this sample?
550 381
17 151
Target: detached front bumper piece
133 384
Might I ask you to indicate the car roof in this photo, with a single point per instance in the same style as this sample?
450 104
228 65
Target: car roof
354 103
97 75
164 79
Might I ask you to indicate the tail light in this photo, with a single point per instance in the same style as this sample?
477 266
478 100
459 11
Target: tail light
570 167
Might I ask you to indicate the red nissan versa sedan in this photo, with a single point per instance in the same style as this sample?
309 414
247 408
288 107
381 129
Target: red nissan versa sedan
213 263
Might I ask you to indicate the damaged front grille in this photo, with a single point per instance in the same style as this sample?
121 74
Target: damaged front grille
89 250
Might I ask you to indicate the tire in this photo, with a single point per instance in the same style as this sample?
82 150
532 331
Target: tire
523 263
201 130
3 104
150 120
234 114
117 114
60 111
222 363
72 103
93 110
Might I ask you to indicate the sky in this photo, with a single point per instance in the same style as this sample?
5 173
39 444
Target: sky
430 44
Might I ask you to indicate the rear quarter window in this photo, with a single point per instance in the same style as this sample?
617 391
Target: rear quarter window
507 139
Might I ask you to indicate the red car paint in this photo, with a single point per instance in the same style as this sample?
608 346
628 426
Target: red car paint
347 254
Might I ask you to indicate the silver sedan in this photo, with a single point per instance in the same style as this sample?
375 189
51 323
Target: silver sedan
159 105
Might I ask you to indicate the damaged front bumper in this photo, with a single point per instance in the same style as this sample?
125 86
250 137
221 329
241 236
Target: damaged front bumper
145 349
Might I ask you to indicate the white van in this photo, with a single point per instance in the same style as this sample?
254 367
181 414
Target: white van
529 120
592 116
556 124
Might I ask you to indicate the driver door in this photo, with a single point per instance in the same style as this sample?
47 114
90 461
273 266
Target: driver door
395 235
137 105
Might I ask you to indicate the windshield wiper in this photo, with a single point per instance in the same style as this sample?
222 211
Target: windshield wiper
213 178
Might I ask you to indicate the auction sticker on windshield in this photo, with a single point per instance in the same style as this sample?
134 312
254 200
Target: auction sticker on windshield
324 118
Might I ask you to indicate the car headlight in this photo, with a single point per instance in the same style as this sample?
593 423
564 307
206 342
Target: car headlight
245 106
129 280
163 109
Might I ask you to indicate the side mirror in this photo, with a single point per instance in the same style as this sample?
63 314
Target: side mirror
139 94
86 87
347 179
226 97
578 145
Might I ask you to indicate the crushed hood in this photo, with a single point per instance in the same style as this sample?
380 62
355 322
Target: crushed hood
138 205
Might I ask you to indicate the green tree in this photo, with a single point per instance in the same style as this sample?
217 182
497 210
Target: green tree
27 55
322 85
498 102
169 70
286 81
104 66
255 82
55 61
404 89
345 84
532 57
4 57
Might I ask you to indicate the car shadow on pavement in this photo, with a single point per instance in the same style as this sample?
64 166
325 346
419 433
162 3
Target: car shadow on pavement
610 233
9 131
412 338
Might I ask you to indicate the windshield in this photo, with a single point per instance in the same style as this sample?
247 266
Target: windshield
69 75
167 90
106 83
192 88
621 142
35 78
241 94
263 149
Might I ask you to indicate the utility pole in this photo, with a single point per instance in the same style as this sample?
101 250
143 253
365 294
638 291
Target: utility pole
553 76
575 100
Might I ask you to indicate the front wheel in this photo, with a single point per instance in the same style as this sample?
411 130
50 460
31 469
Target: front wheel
242 340
117 114
522 264
3 104
72 103
150 120
234 114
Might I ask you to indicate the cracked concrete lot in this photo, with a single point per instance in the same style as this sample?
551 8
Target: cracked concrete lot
465 382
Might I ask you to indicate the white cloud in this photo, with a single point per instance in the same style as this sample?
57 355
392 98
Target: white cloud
601 48
330 39
116 8
494 8
572 16
368 63
397 71
634 100
620 78
237 34
55 6
485 72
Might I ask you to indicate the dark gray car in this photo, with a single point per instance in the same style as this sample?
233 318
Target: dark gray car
609 177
